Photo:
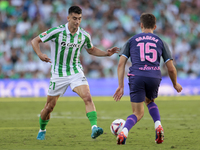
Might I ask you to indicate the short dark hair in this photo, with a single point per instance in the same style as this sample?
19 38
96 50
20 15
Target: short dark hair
148 20
75 9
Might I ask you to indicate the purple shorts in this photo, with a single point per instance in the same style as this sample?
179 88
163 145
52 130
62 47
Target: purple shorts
141 87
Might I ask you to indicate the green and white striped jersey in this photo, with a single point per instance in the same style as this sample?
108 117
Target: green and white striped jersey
66 49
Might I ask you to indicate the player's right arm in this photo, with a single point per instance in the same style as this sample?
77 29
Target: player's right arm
120 72
36 47
49 35
124 55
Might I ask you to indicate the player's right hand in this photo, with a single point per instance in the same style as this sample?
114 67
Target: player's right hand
44 58
118 94
178 87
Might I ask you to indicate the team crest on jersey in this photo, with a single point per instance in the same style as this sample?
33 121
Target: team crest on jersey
79 40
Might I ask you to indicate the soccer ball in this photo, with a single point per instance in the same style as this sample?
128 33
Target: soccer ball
117 126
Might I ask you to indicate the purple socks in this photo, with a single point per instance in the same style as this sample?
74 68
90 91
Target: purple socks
130 121
153 111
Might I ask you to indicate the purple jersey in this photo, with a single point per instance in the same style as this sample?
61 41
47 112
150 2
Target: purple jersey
145 51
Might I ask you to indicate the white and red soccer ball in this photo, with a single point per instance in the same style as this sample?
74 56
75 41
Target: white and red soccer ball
117 126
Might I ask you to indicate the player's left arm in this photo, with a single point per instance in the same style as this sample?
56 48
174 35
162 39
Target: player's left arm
92 50
170 67
97 52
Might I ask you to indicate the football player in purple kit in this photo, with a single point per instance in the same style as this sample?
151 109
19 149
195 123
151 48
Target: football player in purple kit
145 50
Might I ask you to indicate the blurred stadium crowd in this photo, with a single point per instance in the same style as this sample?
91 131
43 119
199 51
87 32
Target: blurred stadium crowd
110 23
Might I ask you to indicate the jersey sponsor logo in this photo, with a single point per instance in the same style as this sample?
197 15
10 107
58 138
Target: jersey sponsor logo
63 44
149 68
70 45
73 45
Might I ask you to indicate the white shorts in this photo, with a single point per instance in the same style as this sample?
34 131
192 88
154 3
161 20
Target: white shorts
58 85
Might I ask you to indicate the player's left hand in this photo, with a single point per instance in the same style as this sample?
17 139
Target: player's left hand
118 94
178 87
113 50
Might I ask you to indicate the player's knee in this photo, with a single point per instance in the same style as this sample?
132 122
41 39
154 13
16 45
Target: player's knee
142 114
139 115
50 107
148 101
87 98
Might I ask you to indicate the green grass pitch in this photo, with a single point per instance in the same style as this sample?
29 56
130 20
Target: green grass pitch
69 128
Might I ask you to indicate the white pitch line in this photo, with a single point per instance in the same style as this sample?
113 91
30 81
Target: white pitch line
103 117
68 117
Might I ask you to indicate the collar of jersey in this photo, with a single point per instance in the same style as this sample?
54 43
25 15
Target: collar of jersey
68 32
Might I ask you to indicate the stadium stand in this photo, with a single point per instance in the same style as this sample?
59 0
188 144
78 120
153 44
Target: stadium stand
110 23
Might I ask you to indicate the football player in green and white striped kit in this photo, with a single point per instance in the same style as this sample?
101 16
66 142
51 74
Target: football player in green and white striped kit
67 42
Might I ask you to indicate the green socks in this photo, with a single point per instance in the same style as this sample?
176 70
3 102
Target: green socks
92 116
43 123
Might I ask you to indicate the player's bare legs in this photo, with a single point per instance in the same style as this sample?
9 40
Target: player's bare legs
154 112
45 115
49 106
138 112
84 92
